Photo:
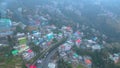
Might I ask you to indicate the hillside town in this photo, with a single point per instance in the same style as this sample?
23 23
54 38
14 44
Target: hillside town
41 36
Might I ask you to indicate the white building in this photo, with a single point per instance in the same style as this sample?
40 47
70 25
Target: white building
51 65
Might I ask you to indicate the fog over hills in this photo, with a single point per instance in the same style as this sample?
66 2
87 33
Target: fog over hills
103 15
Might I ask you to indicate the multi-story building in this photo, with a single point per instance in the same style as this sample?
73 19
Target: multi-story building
5 27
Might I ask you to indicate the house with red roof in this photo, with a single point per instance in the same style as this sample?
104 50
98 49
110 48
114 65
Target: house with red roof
32 66
78 42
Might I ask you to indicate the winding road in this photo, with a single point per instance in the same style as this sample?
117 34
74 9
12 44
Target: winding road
50 54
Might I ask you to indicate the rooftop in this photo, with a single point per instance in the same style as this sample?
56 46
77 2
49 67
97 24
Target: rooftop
5 24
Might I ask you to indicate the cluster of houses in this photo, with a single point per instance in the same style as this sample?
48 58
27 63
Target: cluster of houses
22 48
75 39
115 57
43 37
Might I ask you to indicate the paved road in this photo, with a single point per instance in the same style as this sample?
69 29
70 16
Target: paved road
48 58
45 62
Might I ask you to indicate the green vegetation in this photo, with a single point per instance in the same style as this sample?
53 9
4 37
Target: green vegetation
99 58
11 62
80 66
19 29
22 41
63 64
7 60
57 31
81 51
55 40
11 40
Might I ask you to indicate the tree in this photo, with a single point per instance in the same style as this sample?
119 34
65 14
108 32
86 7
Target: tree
63 64
19 29
81 51
34 47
